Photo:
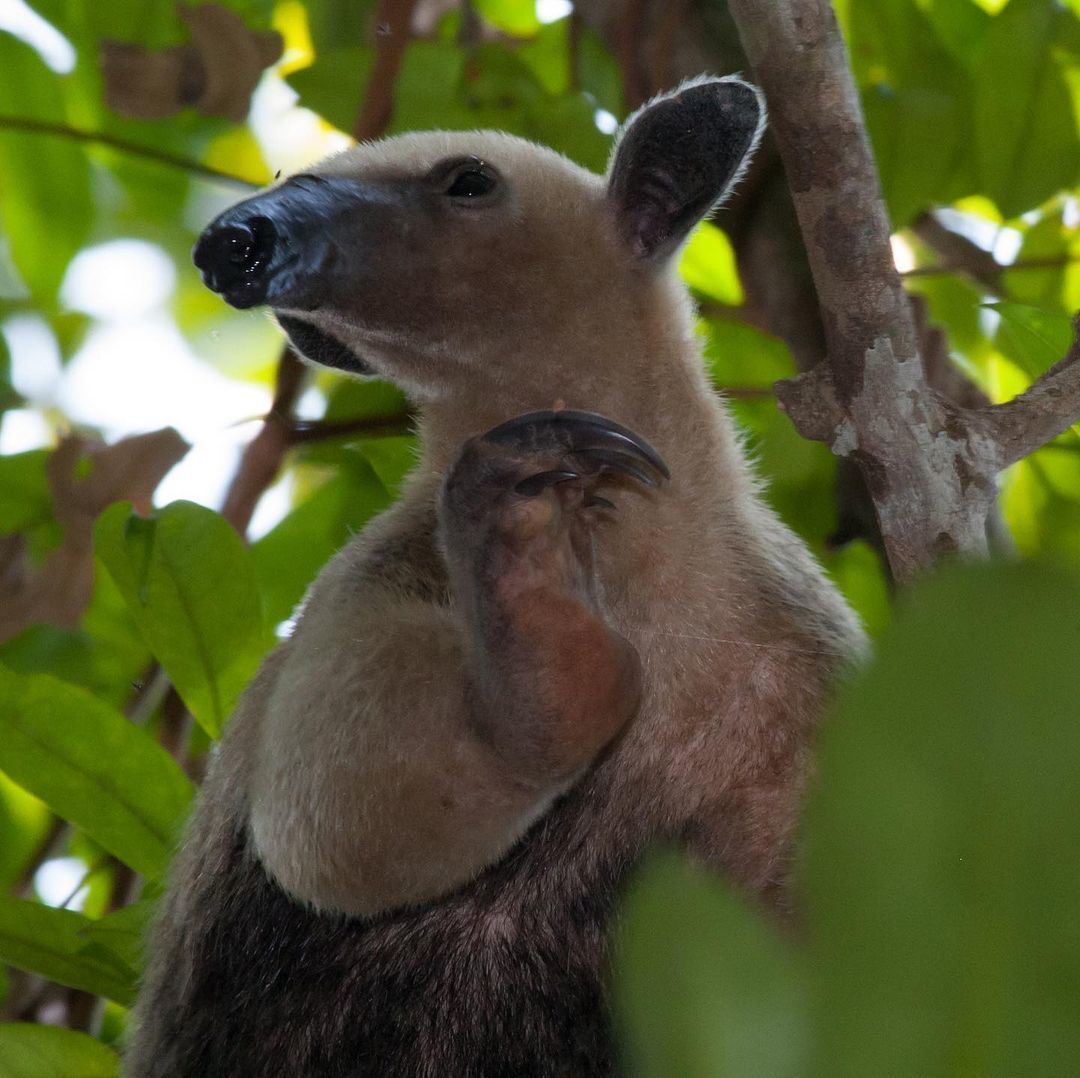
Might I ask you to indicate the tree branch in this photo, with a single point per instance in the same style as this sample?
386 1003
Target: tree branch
393 22
134 149
380 426
960 253
1045 410
880 410
930 457
1021 265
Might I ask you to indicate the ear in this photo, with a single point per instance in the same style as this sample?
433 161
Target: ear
678 156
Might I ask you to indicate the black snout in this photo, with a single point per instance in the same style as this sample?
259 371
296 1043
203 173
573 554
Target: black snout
234 259
275 248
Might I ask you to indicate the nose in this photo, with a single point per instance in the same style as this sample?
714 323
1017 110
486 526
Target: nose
235 256
274 247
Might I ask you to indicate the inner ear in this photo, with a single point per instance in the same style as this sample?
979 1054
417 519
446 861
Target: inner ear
312 343
677 158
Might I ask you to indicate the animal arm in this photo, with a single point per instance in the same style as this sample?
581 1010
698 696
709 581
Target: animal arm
376 793
532 683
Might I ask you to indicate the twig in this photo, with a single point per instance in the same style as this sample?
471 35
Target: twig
1045 410
1021 265
672 16
263 455
635 82
380 426
99 138
573 49
959 252
393 21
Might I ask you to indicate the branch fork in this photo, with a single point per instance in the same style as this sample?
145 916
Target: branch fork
930 463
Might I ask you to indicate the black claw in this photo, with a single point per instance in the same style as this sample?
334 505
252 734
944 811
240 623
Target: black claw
613 461
587 433
534 484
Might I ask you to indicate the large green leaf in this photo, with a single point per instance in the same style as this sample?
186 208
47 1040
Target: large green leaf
942 873
703 986
707 265
190 585
93 767
30 1051
121 933
1026 136
288 558
917 98
49 941
1034 339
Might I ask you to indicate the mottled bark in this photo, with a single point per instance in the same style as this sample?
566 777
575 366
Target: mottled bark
929 463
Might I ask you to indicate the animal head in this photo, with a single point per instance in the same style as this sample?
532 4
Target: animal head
437 257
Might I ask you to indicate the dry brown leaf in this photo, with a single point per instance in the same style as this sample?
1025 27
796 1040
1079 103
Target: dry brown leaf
216 73
85 478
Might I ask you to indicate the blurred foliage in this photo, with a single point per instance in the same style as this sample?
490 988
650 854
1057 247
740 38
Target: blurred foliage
940 852
940 878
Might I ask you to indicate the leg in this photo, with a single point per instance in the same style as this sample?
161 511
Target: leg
552 683
406 745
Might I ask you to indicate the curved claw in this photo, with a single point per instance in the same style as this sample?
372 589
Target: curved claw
612 461
532 485
586 433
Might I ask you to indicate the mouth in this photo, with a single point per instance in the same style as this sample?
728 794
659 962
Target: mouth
320 347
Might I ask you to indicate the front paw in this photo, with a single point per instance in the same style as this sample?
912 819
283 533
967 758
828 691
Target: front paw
552 459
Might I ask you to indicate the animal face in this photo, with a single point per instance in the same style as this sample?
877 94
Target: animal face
437 256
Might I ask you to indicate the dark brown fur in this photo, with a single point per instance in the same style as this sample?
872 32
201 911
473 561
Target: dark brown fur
501 979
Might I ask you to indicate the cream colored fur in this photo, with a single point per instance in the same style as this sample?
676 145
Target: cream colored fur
354 752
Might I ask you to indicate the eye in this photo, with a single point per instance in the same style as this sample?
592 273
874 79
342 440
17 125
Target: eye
472 182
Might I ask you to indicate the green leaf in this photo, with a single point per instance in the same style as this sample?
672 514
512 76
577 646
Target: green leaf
514 17
703 986
1048 238
1034 339
190 585
916 98
548 56
958 27
599 74
31 1051
25 497
288 558
24 827
942 875
48 941
93 767
428 90
332 85
1026 135
391 458
120 933
708 266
